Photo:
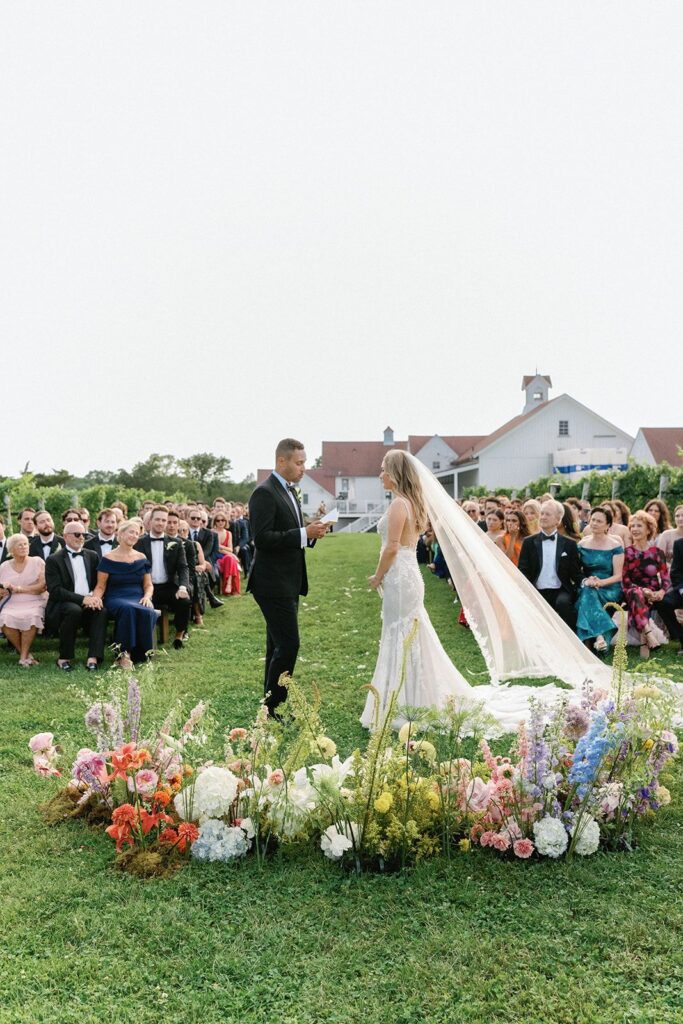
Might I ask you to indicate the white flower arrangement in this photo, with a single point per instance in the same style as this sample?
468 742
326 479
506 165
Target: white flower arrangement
221 842
550 836
588 838
210 796
334 843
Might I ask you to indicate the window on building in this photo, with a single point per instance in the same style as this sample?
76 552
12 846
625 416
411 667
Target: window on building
345 483
436 465
538 396
564 428
304 499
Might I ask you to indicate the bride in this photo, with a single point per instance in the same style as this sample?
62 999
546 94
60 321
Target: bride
517 631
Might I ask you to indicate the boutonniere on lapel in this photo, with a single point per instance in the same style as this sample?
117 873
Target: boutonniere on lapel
171 544
297 493
563 555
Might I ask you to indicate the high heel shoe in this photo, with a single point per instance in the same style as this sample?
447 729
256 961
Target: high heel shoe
647 643
600 645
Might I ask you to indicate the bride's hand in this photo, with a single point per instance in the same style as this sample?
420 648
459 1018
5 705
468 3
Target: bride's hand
375 582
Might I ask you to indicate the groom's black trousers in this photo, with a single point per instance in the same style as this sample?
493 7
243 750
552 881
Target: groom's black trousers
282 644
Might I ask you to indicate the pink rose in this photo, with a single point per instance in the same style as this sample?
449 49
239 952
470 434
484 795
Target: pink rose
237 734
486 838
500 841
146 782
41 742
523 848
276 778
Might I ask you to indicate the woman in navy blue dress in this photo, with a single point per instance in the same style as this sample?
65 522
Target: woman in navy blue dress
124 583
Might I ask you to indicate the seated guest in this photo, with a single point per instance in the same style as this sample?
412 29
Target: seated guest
617 529
227 565
532 511
120 510
645 581
22 597
495 524
239 527
516 529
45 541
72 515
622 511
198 571
71 577
85 519
673 599
104 540
551 562
660 513
170 576
124 585
472 510
4 553
569 526
27 524
209 542
666 540
602 563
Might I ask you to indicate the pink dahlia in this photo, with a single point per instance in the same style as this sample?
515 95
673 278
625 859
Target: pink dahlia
523 848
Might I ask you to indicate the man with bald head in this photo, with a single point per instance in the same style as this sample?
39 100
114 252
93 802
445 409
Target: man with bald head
70 577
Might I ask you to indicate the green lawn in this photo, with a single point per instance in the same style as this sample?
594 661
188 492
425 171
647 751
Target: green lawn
476 940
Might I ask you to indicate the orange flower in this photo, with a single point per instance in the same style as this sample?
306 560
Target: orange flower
187 833
150 821
122 834
143 756
123 760
124 815
161 797
175 780
169 835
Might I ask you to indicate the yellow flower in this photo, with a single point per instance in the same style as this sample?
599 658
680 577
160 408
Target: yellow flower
464 845
187 770
645 691
433 800
649 744
383 802
426 750
663 796
405 732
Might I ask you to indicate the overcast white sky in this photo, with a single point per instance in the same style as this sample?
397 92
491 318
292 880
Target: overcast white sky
226 222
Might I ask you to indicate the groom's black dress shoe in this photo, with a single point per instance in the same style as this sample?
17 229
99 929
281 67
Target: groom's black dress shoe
66 667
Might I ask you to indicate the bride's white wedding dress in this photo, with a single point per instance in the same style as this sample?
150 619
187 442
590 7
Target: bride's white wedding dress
517 631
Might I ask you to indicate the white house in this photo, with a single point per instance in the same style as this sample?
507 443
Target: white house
313 489
551 435
654 445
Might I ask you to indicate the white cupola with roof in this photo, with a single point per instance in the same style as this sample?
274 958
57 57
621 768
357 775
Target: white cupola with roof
388 437
536 388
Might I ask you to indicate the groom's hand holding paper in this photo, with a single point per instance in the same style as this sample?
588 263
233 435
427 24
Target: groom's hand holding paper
314 531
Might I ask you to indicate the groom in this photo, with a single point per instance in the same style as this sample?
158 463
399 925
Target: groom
278 572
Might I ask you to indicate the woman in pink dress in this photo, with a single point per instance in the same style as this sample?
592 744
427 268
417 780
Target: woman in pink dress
228 564
22 598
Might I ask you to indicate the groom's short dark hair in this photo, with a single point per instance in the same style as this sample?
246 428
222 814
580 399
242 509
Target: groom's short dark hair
286 446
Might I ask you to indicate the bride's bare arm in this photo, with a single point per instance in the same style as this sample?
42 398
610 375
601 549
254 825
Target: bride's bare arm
396 520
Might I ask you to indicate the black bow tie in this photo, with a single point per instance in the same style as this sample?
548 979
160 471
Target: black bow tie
548 536
76 554
158 540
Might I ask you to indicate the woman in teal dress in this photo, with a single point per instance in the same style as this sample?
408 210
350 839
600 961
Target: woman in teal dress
602 561
125 585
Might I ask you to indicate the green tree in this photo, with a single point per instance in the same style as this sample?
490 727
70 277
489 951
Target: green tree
57 478
206 469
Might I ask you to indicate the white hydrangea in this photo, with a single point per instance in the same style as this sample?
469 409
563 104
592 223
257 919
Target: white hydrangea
218 841
210 796
550 836
334 843
588 838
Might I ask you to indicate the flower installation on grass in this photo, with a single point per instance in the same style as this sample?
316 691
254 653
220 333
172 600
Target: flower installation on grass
580 776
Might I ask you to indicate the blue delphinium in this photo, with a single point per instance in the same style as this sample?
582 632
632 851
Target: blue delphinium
591 750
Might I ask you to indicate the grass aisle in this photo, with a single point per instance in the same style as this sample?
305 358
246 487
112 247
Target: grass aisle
479 940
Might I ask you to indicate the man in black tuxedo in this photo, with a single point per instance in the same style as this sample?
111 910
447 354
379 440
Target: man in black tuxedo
4 554
104 541
170 574
551 562
239 528
278 571
70 577
209 542
673 599
44 541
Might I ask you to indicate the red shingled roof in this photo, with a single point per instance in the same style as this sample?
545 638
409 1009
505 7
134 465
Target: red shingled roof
356 458
458 442
527 380
322 478
663 442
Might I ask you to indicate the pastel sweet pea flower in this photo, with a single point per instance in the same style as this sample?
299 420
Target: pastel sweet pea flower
41 742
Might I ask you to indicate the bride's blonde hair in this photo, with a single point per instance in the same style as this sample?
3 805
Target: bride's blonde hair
407 483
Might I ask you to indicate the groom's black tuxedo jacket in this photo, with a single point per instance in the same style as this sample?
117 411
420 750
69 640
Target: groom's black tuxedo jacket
567 562
175 560
60 583
279 566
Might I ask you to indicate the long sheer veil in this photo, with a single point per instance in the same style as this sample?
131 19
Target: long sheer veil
518 632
